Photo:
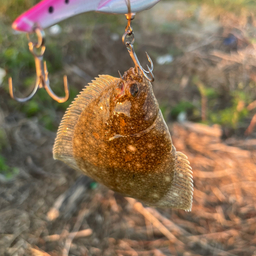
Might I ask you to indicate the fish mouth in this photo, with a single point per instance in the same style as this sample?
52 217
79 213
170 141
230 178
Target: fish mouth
120 90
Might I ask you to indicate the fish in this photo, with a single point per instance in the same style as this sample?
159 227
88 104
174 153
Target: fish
49 12
115 133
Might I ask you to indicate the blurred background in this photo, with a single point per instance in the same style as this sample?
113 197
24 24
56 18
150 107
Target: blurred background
204 65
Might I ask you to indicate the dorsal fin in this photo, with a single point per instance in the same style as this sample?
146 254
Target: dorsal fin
63 146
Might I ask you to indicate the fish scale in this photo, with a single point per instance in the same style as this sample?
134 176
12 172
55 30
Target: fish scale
117 135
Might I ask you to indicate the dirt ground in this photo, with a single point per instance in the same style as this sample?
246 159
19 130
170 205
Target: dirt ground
49 209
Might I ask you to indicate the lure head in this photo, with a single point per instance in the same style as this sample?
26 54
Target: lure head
49 12
134 106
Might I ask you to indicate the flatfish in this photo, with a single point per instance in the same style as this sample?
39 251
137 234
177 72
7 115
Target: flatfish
115 133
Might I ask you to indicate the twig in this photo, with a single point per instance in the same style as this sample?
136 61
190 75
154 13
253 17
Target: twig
233 150
251 126
205 244
214 131
212 175
217 235
78 234
67 202
54 213
158 253
203 94
251 106
36 252
241 184
216 191
125 245
134 253
72 235
113 203
35 170
139 207
168 222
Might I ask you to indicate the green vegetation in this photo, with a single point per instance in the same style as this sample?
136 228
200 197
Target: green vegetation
10 9
7 171
231 115
182 106
3 139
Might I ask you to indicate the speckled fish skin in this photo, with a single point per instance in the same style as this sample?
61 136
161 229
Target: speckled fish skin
115 133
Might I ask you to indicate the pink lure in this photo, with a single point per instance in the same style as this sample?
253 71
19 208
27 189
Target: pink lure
49 12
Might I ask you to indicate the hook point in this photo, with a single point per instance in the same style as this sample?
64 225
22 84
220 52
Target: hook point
54 96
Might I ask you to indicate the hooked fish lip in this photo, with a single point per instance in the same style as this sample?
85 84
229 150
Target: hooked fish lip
120 93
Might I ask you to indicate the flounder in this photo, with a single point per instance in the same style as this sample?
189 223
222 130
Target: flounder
115 133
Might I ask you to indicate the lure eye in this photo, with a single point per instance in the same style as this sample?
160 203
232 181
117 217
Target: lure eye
134 89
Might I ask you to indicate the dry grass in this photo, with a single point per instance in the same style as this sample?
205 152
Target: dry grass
222 221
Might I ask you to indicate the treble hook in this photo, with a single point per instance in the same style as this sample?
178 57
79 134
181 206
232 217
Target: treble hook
128 40
42 80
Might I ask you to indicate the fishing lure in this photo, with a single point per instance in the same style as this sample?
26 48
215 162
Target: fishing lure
49 12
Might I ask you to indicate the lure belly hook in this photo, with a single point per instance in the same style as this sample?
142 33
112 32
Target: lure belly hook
42 80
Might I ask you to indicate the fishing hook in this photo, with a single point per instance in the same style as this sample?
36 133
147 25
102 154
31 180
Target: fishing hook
42 80
128 40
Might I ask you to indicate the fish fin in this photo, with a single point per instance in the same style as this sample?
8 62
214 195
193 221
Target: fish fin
63 145
180 195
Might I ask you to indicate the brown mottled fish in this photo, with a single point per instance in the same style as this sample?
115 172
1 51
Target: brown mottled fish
115 133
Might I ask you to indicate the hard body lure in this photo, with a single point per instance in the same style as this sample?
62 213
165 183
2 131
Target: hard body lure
49 12
115 133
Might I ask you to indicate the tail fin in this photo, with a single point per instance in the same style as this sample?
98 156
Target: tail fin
180 195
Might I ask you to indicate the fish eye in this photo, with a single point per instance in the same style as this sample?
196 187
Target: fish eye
134 89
